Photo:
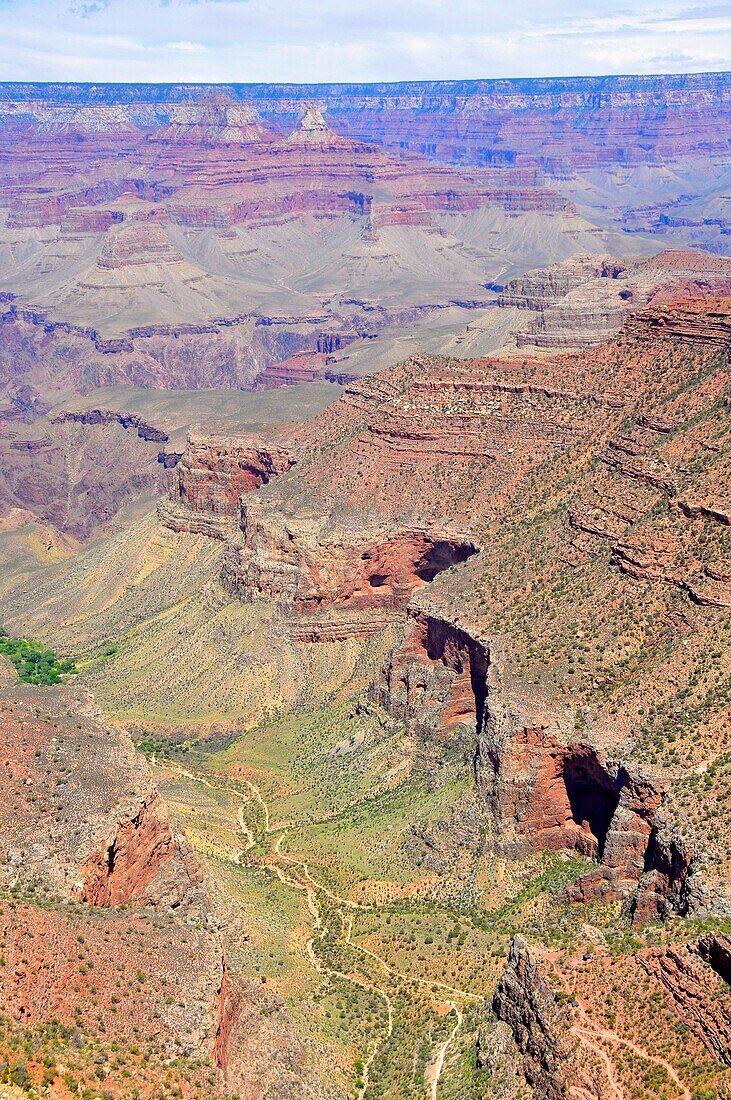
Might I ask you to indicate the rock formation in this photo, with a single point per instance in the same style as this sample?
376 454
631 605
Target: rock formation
212 475
82 819
515 569
685 972
539 1023
122 849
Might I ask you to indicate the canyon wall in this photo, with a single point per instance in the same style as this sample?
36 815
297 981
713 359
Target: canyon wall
593 120
83 822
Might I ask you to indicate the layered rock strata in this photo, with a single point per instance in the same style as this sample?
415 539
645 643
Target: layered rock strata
212 475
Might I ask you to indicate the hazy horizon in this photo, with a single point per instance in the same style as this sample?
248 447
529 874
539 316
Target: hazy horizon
270 41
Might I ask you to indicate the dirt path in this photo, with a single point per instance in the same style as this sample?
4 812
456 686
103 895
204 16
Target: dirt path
434 1072
590 1033
311 887
587 1037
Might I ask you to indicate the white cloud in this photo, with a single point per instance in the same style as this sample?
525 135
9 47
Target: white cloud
335 40
186 47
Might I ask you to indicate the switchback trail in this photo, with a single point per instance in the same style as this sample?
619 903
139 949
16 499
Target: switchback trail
591 1034
296 874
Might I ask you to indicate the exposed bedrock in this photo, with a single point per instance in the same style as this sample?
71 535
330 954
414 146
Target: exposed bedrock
229 1003
704 320
697 976
539 1022
215 471
77 470
212 475
437 679
110 840
547 788
560 123
222 354
145 431
302 563
585 300
141 861
81 814
544 784
715 949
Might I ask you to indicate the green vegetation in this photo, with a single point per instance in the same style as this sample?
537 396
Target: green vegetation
34 664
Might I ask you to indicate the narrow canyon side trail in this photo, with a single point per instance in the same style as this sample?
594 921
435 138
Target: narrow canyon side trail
296 874
434 1071
592 1035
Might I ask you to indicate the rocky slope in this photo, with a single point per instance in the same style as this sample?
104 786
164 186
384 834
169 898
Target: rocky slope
343 541
587 301
163 238
201 275
559 637
122 849
82 820
566 757
100 893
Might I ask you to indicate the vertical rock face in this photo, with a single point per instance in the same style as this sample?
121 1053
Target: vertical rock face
593 120
540 1025
215 471
437 679
546 788
715 949
553 795
142 862
228 1008
212 475
543 786
309 563
105 835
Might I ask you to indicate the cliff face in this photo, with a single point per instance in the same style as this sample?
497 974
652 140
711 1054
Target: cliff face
563 647
437 679
184 258
122 849
351 538
568 1042
546 787
307 569
108 927
157 355
550 779
82 820
213 474
210 236
142 861
594 119
688 973
539 1023
586 301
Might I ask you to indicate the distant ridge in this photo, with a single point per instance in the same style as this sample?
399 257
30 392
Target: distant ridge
95 91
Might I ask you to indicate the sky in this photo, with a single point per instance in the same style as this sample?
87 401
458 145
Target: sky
359 40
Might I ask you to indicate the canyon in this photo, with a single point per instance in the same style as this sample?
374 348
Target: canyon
314 564
367 450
